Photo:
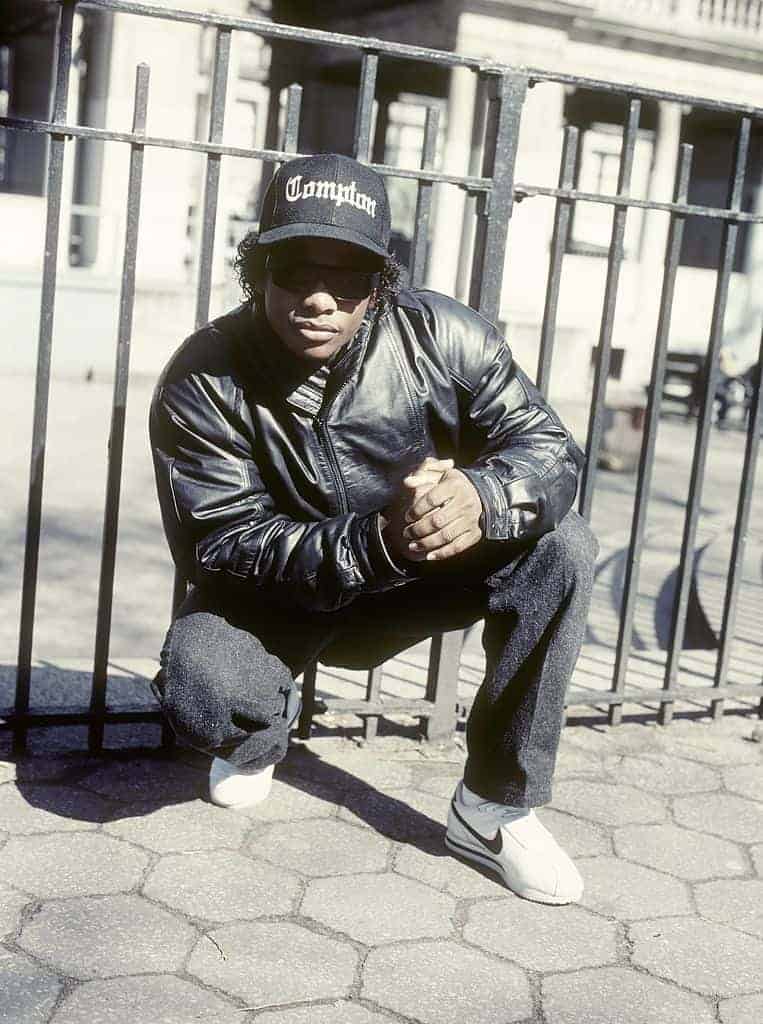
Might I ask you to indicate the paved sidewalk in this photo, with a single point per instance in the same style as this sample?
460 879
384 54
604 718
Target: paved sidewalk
126 897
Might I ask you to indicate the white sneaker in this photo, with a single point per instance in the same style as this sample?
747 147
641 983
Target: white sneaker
230 785
512 842
236 786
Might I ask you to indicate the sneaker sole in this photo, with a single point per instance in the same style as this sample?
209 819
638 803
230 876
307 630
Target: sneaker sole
483 857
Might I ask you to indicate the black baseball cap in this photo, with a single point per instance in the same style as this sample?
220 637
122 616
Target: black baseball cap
327 196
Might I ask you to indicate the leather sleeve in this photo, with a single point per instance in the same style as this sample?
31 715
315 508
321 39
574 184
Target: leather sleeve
222 524
516 451
527 470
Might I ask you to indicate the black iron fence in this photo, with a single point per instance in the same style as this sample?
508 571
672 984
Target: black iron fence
494 189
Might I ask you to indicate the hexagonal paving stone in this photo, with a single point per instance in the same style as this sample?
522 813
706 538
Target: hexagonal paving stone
709 958
76 864
630 891
739 903
573 761
321 847
446 983
66 768
597 740
539 937
179 828
679 851
619 994
158 779
334 1013
711 747
638 738
580 838
221 886
27 993
94 937
439 785
627 738
292 801
742 1009
722 815
746 780
431 863
379 908
401 815
27 808
344 770
274 962
159 999
669 775
607 804
11 905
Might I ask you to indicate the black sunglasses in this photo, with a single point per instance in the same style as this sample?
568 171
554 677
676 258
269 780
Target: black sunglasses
341 282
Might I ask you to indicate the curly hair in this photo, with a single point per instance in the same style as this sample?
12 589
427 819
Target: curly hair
249 266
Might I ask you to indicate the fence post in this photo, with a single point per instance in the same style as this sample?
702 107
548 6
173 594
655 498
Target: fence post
118 417
506 96
42 383
442 684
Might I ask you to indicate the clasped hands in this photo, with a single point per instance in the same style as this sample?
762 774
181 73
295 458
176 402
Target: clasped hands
436 514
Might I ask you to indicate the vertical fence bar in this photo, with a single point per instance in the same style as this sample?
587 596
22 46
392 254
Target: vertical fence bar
476 149
506 96
291 128
614 262
290 138
209 217
309 679
42 383
442 684
728 252
736 564
212 184
562 215
361 146
373 689
118 415
646 458
424 200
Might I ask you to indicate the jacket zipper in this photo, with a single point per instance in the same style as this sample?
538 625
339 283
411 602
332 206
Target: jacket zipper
323 433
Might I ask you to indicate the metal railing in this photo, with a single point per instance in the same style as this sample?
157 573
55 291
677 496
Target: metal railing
495 191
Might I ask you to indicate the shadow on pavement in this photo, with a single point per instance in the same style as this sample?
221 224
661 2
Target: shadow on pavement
127 784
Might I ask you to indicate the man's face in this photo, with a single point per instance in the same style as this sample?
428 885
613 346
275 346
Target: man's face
303 308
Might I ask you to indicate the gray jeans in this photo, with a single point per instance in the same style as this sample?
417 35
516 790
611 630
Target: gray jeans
229 662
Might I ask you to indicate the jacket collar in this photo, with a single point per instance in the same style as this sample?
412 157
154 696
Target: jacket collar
302 385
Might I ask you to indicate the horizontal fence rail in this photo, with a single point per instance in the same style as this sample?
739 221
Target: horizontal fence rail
494 190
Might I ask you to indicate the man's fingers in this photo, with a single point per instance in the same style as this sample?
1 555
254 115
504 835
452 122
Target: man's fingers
442 537
428 473
422 478
462 543
454 487
434 498
435 520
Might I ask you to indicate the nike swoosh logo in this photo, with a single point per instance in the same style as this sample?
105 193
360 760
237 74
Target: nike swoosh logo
495 845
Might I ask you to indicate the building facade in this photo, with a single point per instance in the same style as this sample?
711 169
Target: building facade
704 48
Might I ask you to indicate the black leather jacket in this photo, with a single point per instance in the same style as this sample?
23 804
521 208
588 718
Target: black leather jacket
260 490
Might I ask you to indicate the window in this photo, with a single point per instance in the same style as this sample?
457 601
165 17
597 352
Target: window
597 171
26 71
405 119
713 137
